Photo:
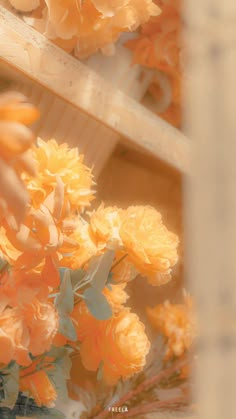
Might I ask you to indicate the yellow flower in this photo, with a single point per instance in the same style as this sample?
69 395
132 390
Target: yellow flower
120 343
15 156
150 246
177 323
124 347
86 246
59 162
87 26
123 270
105 224
116 296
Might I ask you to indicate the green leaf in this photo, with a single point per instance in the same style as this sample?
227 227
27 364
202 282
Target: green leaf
100 371
67 328
10 383
65 299
99 269
76 277
52 414
97 304
55 414
62 358
59 381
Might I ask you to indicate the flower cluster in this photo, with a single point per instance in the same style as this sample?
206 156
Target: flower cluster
64 270
119 344
177 323
86 26
142 243
158 46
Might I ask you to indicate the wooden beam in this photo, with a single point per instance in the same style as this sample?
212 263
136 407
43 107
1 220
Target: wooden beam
30 53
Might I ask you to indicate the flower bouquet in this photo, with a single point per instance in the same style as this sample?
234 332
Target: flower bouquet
65 271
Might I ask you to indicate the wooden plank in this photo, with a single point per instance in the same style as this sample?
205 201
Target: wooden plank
64 122
210 200
30 53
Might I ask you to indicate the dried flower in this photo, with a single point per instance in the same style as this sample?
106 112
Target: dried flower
150 246
177 323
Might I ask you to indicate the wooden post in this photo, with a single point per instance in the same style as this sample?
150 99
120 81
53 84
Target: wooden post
210 199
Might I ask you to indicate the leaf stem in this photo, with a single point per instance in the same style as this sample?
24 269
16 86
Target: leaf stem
119 261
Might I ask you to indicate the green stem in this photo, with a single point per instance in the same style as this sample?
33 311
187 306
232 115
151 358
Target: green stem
119 261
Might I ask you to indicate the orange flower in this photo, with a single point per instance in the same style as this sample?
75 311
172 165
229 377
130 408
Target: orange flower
177 323
150 246
86 247
116 296
159 46
124 270
120 343
41 236
113 19
19 287
124 347
14 337
7 251
40 388
42 321
105 224
25 5
37 238
26 328
59 162
15 157
87 26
